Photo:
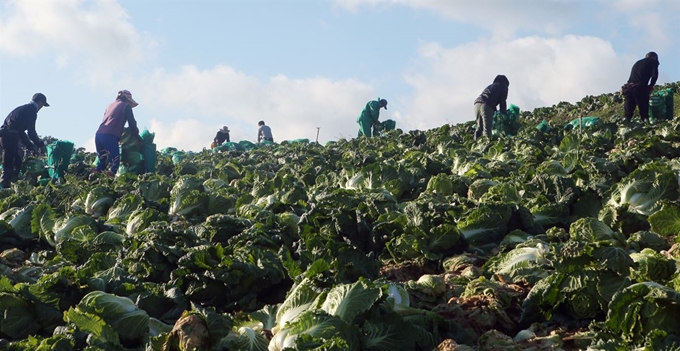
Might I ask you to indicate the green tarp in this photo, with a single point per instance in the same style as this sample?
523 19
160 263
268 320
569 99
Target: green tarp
506 123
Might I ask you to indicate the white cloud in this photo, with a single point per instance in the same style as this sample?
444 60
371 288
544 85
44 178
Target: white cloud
97 35
541 71
503 18
194 103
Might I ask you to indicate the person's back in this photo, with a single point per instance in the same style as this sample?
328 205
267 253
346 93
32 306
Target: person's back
643 70
264 133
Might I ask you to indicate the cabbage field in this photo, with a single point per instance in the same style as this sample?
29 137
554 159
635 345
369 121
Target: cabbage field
552 239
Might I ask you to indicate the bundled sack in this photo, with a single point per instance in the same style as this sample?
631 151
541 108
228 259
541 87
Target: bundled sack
661 105
543 126
506 123
583 122
59 157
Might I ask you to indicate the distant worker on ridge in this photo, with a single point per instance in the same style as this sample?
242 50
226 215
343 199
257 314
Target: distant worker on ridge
368 119
18 122
485 105
221 136
110 130
636 91
264 132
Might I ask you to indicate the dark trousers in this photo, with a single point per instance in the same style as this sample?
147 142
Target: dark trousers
637 96
107 150
11 161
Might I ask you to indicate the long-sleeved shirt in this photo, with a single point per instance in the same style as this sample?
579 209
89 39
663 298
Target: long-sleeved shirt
221 137
643 71
264 133
115 116
370 113
493 95
21 120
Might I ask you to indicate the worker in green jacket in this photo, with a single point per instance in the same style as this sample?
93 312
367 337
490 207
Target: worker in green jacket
369 117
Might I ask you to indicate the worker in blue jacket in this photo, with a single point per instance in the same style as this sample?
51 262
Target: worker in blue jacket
368 118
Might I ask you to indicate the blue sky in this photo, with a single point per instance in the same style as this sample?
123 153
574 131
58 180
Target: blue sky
195 66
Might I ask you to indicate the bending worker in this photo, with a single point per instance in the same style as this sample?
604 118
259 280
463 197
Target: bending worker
221 136
368 118
264 132
108 135
485 105
18 122
636 91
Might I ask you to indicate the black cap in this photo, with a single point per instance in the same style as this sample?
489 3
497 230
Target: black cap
40 97
383 103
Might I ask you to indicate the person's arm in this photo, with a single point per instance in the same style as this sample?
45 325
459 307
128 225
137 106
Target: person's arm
130 118
227 139
259 134
26 141
375 111
33 135
655 76
504 98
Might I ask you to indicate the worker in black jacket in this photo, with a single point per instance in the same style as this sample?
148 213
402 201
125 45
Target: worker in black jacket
636 91
18 122
221 136
485 105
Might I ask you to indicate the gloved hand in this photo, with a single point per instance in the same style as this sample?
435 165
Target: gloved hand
651 88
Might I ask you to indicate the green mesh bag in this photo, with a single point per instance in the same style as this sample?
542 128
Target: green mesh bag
147 137
585 122
150 157
389 124
543 126
506 123
657 108
59 157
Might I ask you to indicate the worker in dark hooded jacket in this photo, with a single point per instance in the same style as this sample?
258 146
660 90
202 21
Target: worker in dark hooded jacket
636 91
485 105
221 136
111 129
368 118
19 122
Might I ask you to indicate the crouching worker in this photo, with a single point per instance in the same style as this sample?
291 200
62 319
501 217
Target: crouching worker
485 105
221 136
368 119
108 135
18 122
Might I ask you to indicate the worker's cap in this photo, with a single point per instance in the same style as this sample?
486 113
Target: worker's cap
128 96
224 129
260 123
383 103
40 97
653 55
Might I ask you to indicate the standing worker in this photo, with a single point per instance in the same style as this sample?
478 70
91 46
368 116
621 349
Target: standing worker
18 122
368 119
264 132
485 105
108 135
221 136
636 91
